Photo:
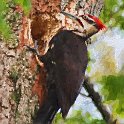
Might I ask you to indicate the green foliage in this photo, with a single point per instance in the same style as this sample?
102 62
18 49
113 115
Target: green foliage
77 118
25 4
89 66
90 61
113 90
113 13
5 29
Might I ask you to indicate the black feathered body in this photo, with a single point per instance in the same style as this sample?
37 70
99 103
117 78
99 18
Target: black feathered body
65 61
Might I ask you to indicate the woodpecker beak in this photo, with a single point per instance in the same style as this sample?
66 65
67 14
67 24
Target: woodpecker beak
73 17
69 15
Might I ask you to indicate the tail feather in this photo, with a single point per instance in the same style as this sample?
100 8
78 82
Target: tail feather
48 110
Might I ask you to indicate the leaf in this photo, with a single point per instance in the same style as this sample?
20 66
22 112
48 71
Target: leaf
113 90
4 28
112 14
78 118
27 6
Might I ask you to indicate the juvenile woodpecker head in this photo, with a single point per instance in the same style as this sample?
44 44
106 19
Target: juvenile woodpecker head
93 20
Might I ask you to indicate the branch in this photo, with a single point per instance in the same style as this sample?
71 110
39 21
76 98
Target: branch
97 100
84 95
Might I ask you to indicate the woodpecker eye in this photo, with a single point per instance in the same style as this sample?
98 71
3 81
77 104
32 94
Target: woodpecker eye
84 17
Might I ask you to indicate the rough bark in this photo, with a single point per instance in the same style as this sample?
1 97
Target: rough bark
16 102
17 105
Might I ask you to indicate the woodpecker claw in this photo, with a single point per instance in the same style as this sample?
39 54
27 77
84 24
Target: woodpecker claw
34 49
31 49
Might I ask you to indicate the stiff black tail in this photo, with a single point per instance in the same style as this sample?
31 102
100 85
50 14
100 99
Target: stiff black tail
48 110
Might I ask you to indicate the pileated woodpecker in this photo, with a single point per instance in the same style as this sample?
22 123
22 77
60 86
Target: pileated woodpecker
65 61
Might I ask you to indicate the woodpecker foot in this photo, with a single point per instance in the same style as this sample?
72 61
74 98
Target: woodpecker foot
39 58
34 49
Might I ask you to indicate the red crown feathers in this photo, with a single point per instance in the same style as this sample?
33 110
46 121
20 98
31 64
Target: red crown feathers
100 25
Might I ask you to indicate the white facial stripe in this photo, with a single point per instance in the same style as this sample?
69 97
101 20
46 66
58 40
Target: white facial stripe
90 19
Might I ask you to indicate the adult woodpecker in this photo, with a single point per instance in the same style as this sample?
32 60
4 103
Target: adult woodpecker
96 24
65 61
